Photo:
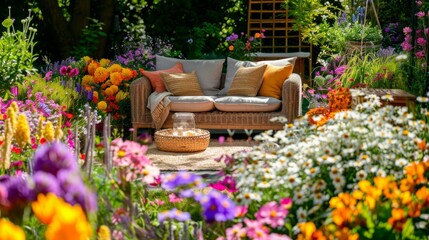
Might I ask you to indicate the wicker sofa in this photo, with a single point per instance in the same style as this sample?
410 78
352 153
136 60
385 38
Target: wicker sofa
243 115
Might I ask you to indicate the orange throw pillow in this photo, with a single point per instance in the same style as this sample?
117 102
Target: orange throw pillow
274 77
155 77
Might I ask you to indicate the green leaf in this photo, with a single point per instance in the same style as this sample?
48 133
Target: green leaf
408 229
7 23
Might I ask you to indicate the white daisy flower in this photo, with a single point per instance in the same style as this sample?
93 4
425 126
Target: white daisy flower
401 162
422 99
387 97
338 181
299 197
301 214
361 175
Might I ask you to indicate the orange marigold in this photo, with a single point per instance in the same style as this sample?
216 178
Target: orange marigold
93 65
231 48
87 80
114 88
109 92
115 68
104 62
116 78
128 74
100 75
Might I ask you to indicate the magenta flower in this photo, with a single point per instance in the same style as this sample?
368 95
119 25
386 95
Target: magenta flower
48 75
286 203
272 214
420 54
174 214
406 46
74 72
53 157
227 183
421 41
64 70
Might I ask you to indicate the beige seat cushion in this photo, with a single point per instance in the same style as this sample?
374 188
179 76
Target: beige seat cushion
247 81
182 84
191 103
247 104
209 71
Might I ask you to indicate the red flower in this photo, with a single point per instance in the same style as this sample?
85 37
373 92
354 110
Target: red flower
16 150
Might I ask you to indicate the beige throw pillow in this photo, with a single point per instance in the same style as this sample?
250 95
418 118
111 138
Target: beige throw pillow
182 84
247 81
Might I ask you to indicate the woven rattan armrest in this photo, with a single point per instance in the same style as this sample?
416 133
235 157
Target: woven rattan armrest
291 97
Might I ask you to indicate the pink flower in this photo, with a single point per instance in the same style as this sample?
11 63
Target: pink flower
256 229
221 139
420 14
48 75
74 72
174 198
421 41
275 236
419 3
150 174
311 91
407 30
420 54
240 211
158 202
272 214
236 232
406 46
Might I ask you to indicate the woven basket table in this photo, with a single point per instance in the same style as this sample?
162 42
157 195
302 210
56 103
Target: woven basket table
166 141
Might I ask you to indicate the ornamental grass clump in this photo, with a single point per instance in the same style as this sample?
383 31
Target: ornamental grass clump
311 163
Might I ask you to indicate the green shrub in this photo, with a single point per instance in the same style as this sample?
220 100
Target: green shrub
16 52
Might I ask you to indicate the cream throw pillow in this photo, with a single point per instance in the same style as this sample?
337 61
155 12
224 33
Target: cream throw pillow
247 81
182 84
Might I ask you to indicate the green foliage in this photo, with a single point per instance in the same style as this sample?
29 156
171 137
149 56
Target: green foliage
16 52
359 32
203 40
53 90
375 72
308 14
89 39
194 20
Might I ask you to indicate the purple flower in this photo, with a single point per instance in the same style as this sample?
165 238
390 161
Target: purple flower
46 183
174 214
18 192
217 206
75 191
53 157
182 179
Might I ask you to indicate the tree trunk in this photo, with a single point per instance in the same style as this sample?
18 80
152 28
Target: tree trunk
106 17
60 35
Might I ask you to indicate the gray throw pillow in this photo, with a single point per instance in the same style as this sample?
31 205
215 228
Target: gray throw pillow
209 71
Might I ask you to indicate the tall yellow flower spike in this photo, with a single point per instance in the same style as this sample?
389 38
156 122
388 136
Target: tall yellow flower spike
6 147
9 231
49 132
58 132
11 114
22 131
